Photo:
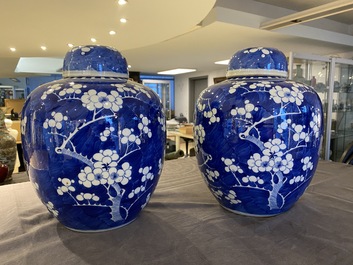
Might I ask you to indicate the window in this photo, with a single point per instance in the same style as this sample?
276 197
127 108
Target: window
164 87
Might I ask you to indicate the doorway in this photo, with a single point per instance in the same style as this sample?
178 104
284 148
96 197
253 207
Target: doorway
196 86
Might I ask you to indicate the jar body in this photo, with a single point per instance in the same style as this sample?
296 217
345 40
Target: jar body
257 142
94 149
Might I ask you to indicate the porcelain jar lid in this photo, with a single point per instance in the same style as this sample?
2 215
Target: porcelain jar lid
95 61
258 61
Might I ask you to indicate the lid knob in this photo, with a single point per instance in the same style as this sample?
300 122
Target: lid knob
258 61
95 61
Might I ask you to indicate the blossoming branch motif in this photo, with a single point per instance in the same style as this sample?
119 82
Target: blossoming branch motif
262 49
72 90
146 176
51 208
87 197
253 179
315 124
93 100
307 164
211 175
67 186
56 122
285 95
208 112
212 115
230 167
261 86
106 168
245 112
131 90
199 137
104 136
235 86
127 137
121 88
143 126
51 90
199 133
296 179
232 197
161 121
275 157
218 193
273 164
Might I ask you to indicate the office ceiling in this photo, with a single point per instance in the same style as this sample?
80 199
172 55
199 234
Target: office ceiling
162 34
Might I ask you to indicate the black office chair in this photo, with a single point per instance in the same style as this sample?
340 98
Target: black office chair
347 156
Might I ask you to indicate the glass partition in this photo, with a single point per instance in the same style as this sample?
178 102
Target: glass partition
315 71
342 112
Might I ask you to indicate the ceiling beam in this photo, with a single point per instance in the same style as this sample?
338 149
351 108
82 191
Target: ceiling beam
314 13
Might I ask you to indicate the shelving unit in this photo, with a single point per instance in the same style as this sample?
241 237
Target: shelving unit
332 78
19 93
11 92
6 92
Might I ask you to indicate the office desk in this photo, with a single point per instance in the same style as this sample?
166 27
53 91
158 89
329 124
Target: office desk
178 135
17 126
183 224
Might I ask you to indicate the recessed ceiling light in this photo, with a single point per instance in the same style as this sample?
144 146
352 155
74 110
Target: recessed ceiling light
122 2
44 48
70 45
12 49
123 20
93 40
129 66
223 62
112 32
177 71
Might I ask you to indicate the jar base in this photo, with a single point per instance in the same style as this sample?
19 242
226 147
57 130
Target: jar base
249 214
100 230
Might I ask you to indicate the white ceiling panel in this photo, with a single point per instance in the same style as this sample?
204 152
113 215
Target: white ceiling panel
162 35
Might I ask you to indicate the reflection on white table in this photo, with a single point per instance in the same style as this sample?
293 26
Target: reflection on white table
184 224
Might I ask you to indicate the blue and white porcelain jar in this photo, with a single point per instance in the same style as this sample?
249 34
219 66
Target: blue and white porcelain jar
94 141
258 135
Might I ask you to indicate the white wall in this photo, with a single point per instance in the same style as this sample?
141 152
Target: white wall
9 82
182 88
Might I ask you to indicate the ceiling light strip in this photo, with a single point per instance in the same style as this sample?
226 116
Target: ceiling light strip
310 14
223 62
176 71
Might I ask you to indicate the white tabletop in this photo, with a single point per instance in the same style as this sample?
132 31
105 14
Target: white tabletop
183 224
